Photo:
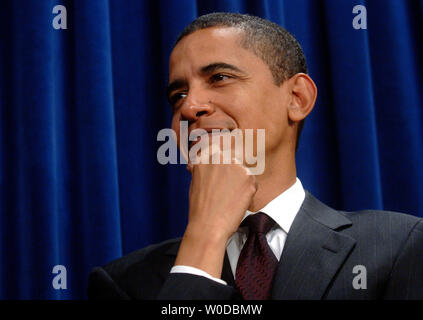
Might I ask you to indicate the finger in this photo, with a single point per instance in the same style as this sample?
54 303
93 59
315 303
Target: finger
189 167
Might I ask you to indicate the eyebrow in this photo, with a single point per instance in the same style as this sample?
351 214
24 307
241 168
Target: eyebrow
210 68
219 65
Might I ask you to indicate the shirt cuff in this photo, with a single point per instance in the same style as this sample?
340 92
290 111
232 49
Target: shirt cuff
198 272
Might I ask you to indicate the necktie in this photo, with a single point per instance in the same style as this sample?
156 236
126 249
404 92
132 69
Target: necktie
257 263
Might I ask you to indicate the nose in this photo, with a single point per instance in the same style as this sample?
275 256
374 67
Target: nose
196 104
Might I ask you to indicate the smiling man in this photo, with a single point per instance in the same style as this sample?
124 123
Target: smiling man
260 236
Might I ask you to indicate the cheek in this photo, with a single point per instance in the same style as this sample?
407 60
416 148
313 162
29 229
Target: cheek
267 113
175 126
241 106
258 112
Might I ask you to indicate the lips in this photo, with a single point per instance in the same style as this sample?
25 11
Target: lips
209 132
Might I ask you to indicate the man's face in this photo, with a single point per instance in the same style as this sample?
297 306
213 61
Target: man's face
214 83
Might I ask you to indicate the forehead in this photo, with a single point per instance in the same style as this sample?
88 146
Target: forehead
207 46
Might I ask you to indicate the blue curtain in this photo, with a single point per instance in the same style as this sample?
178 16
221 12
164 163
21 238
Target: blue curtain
81 108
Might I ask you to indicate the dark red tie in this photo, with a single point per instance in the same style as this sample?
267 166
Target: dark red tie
257 263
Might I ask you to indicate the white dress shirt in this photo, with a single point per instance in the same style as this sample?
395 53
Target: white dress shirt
282 209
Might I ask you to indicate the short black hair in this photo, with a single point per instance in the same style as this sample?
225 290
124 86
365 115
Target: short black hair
273 44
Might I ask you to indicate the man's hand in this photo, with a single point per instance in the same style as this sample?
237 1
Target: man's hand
218 198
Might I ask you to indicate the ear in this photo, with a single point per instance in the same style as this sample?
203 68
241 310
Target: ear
303 96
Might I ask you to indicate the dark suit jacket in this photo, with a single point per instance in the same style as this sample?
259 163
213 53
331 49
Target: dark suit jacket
318 260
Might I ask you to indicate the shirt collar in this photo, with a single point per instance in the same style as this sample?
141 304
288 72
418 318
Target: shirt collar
285 206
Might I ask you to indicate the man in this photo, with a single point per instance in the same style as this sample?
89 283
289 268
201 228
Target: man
263 236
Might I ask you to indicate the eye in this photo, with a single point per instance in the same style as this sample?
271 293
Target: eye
219 77
174 98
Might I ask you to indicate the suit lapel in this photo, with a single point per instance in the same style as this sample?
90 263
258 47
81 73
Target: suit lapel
313 253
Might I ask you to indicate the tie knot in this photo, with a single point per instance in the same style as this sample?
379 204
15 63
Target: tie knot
258 223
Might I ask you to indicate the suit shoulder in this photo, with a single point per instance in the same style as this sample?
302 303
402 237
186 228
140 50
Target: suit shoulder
382 214
386 221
